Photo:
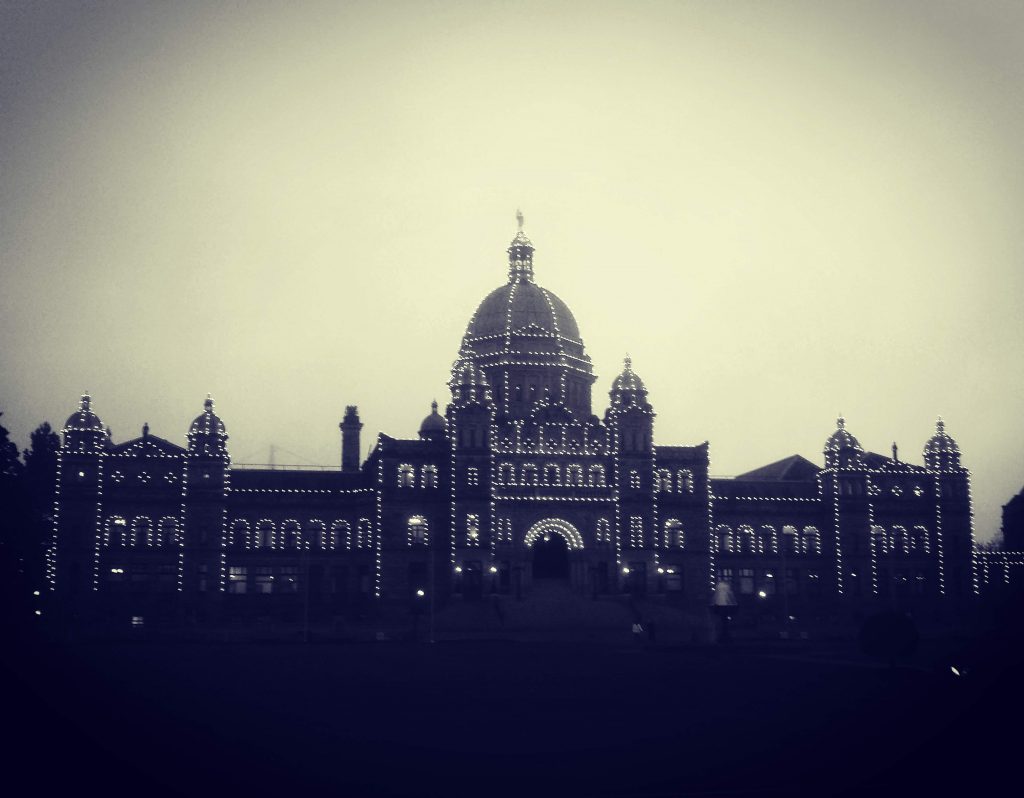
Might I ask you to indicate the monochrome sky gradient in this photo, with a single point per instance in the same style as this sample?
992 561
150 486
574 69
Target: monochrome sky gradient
782 211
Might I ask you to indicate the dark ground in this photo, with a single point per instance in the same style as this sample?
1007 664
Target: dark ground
502 718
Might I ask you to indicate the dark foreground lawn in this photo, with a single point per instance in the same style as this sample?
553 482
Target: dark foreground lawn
495 719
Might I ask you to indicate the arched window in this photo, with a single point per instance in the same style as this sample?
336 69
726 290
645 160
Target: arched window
920 534
879 540
169 531
684 480
574 476
142 531
265 534
745 538
767 541
674 533
790 539
507 474
724 538
316 533
238 534
811 540
291 534
117 531
417 531
428 476
634 479
552 474
406 476
596 476
364 539
340 535
529 474
664 480
604 531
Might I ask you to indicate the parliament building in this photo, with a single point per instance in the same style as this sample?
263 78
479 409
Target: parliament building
518 482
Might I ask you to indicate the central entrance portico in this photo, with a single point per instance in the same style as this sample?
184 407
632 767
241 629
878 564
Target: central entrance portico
552 541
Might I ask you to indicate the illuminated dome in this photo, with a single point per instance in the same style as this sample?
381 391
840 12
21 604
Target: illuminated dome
842 448
84 419
941 451
434 425
523 308
527 342
628 379
207 433
628 388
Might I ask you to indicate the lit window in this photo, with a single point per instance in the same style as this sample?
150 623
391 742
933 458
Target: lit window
473 476
265 532
237 578
574 475
684 480
530 474
634 479
428 476
674 533
417 529
472 530
596 476
264 580
664 480
406 476
365 534
169 531
636 532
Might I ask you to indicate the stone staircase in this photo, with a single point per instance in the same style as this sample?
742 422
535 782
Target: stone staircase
553 611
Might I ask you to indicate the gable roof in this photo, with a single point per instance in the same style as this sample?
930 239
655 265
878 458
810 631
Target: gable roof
792 468
147 445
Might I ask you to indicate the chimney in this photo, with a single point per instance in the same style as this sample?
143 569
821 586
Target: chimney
350 426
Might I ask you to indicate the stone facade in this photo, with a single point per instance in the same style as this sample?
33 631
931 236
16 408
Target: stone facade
517 480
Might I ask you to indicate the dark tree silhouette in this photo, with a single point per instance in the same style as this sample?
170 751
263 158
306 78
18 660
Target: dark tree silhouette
41 467
14 577
10 465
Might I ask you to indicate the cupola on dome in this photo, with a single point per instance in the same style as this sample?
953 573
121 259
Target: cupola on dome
84 419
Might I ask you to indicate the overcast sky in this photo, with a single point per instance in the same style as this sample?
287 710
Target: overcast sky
782 211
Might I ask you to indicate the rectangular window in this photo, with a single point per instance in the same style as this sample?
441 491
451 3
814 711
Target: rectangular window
264 582
747 581
636 532
288 579
473 476
237 579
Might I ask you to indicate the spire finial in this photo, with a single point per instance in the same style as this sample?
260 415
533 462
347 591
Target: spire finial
841 422
940 425
86 399
208 404
433 406
519 219
628 362
145 429
895 452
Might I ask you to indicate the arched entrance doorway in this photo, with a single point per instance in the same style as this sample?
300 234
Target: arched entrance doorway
551 540
551 558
